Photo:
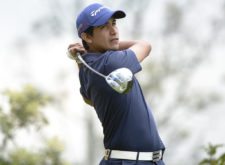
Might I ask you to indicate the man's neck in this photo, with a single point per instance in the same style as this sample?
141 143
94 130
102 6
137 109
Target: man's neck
96 51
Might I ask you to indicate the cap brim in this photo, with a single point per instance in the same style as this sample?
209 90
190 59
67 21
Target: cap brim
119 14
115 14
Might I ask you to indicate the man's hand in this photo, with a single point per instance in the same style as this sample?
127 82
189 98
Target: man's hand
75 48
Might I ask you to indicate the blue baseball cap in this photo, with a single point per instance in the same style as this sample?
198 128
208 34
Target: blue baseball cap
95 15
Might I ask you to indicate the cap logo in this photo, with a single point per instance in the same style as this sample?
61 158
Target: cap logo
95 12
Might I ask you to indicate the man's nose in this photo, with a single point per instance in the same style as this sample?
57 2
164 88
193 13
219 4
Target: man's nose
113 30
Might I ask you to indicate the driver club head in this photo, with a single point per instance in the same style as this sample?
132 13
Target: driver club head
121 80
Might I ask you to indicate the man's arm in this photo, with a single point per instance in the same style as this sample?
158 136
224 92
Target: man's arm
140 48
73 50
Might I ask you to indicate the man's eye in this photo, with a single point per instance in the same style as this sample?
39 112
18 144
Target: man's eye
114 21
101 27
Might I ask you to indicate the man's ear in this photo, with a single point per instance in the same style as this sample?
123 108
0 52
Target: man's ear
86 38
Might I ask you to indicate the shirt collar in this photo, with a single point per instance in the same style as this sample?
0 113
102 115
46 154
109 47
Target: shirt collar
91 57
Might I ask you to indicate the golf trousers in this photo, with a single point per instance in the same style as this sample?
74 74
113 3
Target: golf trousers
129 162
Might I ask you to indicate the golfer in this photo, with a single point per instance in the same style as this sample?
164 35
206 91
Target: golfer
130 132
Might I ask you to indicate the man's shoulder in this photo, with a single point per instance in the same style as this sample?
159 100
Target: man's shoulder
125 51
118 54
107 54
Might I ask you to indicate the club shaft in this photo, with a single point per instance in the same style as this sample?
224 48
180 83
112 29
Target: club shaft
93 70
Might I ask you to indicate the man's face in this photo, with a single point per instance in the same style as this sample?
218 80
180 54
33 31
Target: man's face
105 37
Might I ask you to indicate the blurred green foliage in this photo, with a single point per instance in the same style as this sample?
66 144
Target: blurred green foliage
25 105
49 155
212 158
25 110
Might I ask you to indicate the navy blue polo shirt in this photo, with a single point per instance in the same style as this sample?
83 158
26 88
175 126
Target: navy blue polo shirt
127 120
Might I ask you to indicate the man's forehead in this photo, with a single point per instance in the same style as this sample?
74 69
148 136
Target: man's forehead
110 20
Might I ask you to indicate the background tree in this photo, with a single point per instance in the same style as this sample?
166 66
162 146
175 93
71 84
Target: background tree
25 112
212 158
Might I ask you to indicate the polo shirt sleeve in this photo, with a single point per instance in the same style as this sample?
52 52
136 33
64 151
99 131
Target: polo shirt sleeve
124 58
83 93
83 87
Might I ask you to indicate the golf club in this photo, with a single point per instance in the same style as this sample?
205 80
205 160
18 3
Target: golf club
121 80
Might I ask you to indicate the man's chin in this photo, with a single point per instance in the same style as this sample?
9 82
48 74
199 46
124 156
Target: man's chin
115 48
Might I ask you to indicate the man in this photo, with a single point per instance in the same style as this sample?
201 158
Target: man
130 133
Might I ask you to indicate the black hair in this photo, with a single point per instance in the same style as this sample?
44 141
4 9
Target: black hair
89 31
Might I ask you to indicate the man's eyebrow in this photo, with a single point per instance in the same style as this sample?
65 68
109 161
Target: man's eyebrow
113 20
